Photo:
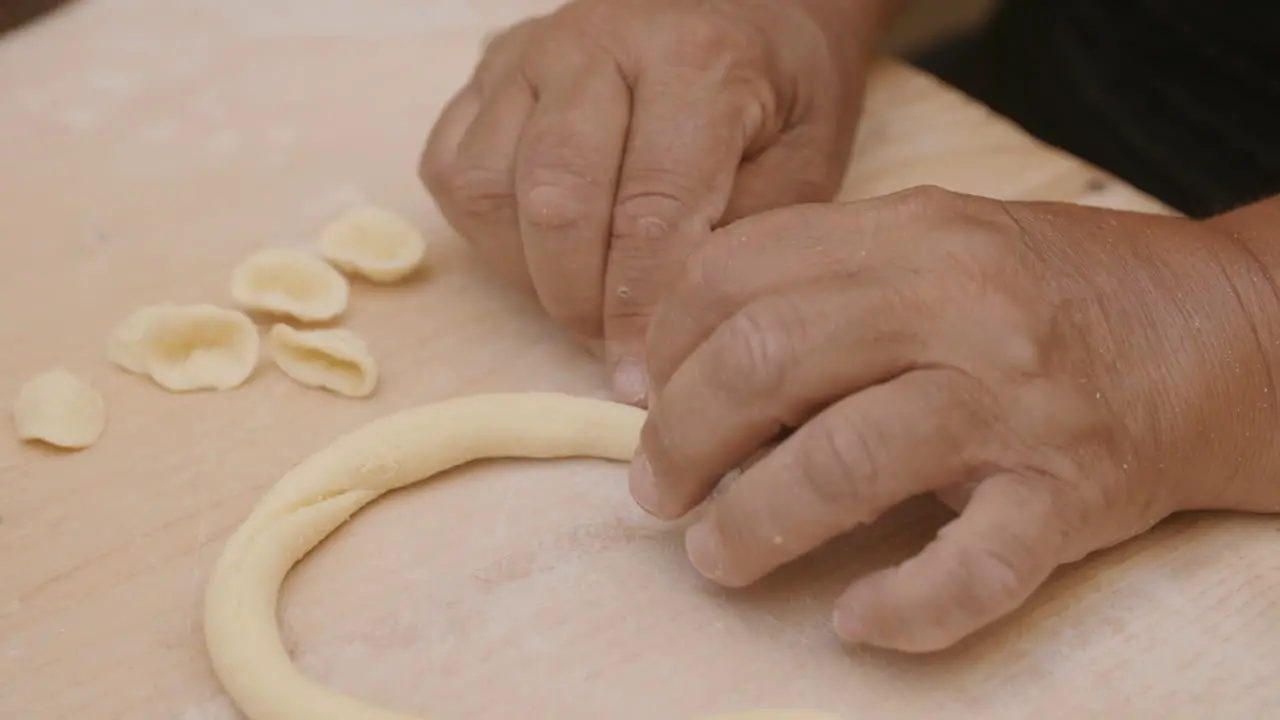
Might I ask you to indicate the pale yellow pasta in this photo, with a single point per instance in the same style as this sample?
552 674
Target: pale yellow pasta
374 243
187 347
321 493
124 345
295 283
59 408
333 359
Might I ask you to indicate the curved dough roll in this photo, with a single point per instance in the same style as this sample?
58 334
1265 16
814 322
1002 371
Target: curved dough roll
334 359
290 282
325 490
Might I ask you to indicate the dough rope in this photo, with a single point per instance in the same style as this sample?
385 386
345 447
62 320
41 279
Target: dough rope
325 490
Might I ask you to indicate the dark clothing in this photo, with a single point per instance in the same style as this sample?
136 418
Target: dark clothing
15 13
1180 98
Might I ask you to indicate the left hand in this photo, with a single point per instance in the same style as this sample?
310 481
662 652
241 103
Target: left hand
595 145
1063 376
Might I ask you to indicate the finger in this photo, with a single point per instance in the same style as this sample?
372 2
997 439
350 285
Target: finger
769 367
843 468
982 566
784 248
805 165
764 255
477 187
441 150
567 168
686 139
486 167
502 51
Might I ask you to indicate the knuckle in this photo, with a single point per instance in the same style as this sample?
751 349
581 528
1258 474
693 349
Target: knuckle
497 45
473 190
756 104
837 464
433 172
753 353
918 206
700 39
631 301
649 212
981 244
1016 324
436 165
504 54
561 50
556 200
921 204
639 257
1016 345
926 199
707 276
996 574
506 37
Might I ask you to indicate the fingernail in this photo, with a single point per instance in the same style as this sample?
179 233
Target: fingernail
629 382
703 549
848 626
644 489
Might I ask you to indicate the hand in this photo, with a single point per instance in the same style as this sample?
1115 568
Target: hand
1065 376
594 147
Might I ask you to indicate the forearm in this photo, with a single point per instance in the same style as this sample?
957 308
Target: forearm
863 22
853 27
1258 223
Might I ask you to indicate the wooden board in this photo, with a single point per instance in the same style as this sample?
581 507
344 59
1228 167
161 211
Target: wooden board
147 146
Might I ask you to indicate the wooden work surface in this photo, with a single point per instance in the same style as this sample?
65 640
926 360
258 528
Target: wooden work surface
146 146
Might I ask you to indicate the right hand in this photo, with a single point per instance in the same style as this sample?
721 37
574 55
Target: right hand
594 147
1064 376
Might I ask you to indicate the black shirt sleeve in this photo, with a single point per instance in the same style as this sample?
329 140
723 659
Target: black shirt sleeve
1181 98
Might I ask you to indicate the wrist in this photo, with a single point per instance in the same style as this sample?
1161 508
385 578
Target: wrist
857 25
852 28
1252 234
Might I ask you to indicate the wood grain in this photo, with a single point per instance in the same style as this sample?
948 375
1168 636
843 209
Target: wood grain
147 146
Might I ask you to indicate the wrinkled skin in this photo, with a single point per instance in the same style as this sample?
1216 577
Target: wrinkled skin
594 147
1065 376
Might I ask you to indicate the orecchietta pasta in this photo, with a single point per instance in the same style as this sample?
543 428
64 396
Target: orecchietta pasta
187 347
374 243
333 359
60 408
294 283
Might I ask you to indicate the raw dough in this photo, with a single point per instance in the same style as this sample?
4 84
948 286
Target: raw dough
290 282
187 347
61 409
372 242
125 345
337 359
318 495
